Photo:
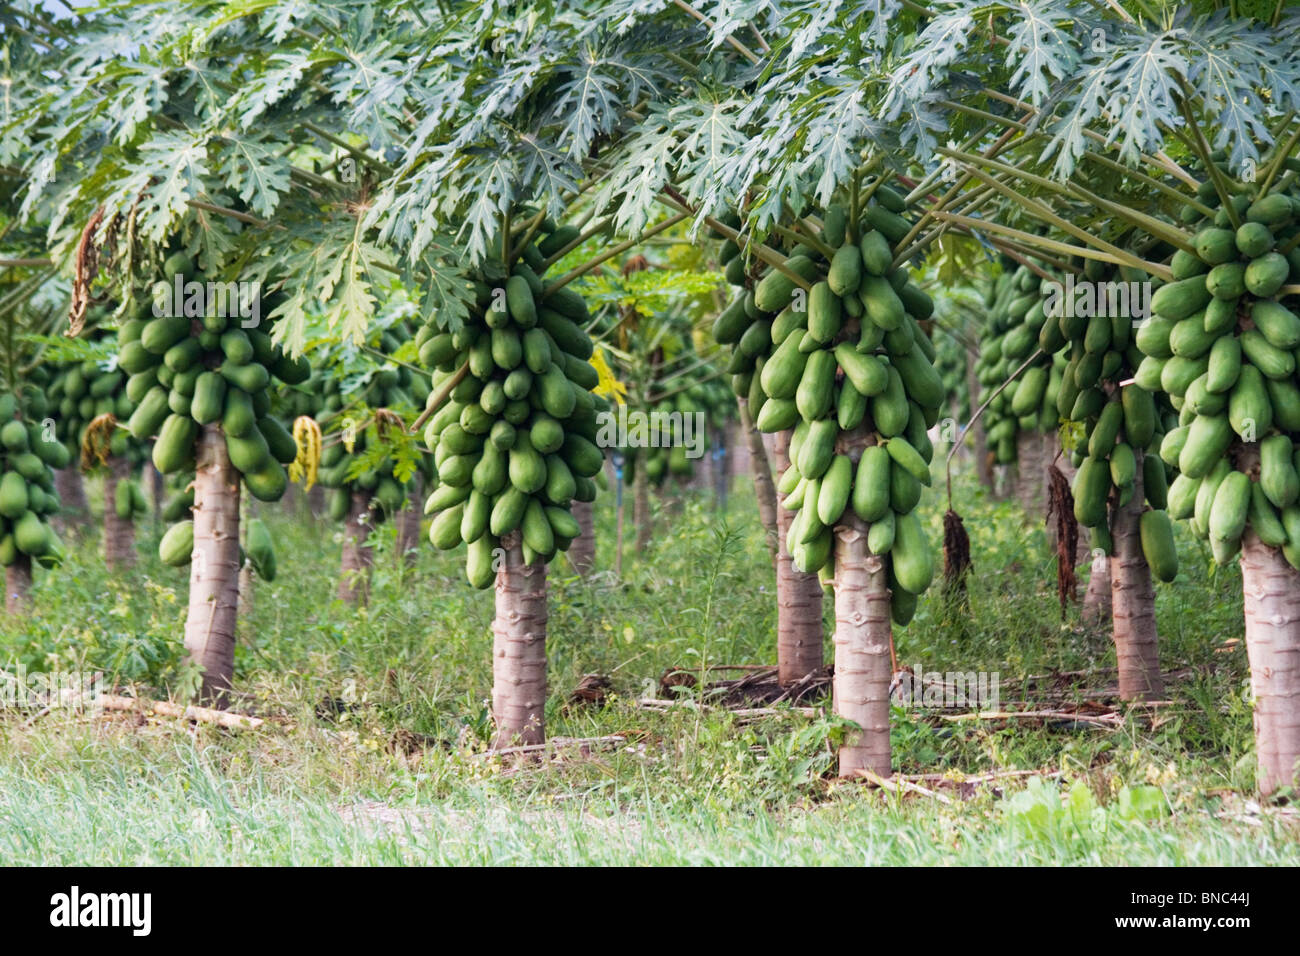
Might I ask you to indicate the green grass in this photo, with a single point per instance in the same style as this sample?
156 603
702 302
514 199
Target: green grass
688 787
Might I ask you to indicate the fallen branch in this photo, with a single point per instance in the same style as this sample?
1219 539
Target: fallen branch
899 785
553 743
165 708
1109 721
661 705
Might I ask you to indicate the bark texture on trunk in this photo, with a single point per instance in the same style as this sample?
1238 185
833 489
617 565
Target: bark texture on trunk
862 635
214 570
798 596
519 648
119 533
246 572
1096 599
1133 605
18 585
157 490
408 524
316 501
983 464
72 498
358 555
1030 477
641 505
722 467
582 553
1271 589
764 486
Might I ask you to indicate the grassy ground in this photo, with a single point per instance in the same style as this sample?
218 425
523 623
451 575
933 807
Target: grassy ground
387 773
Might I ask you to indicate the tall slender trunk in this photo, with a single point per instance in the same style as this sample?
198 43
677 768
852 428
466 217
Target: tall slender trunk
1096 609
983 464
582 553
862 636
408 524
641 506
157 490
1271 588
1030 477
18 585
722 468
214 570
119 533
358 555
316 501
1133 604
72 498
764 486
519 648
798 596
246 592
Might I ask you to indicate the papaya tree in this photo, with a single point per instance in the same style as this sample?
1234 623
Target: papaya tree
1177 126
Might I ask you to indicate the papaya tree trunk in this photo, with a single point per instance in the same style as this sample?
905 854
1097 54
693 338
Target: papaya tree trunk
246 593
582 553
157 490
1271 588
119 533
983 464
1133 604
1096 609
408 524
722 468
214 568
1030 477
798 596
641 505
764 487
519 648
316 501
18 585
358 555
862 637
72 498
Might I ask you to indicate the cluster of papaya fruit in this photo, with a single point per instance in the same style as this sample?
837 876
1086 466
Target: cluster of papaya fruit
849 356
186 372
516 441
82 391
27 495
1123 423
338 465
1225 348
1016 317
709 398
950 362
332 400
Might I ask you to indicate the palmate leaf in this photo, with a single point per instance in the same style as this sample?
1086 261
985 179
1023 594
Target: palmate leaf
1042 48
169 173
257 173
1228 68
711 136
925 66
731 16
445 289
548 175
589 101
644 166
489 179
270 86
837 127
